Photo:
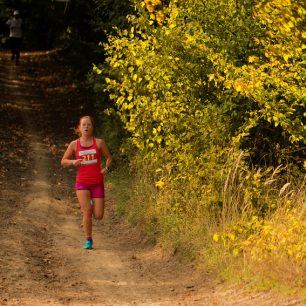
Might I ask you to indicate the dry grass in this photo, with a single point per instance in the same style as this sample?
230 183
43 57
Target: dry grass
259 209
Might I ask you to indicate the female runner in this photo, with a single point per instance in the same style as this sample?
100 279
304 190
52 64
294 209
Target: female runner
90 177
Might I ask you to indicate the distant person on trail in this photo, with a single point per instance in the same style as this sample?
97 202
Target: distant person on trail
90 176
15 25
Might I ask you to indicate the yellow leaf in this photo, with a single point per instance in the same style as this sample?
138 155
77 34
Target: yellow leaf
216 237
211 77
159 184
286 57
253 59
232 236
238 87
235 252
227 84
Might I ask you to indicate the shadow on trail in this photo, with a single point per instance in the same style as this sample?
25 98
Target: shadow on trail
33 117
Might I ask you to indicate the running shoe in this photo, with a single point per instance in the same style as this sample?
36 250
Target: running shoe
88 245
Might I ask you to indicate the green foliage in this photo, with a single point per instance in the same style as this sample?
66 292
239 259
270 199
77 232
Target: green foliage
275 244
211 77
192 91
212 95
170 83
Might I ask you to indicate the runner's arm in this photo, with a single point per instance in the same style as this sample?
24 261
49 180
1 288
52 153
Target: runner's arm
108 158
66 161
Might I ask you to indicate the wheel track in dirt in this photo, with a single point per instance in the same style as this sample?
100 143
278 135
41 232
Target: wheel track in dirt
41 257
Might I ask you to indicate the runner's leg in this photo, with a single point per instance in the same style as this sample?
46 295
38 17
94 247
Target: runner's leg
18 45
98 208
12 43
84 200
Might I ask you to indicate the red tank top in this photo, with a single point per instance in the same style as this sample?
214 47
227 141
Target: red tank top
89 172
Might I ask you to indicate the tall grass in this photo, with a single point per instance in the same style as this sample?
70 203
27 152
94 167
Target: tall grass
251 224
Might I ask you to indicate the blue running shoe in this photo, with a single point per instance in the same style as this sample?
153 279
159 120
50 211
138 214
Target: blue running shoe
88 245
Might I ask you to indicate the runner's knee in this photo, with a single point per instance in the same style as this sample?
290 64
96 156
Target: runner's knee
99 215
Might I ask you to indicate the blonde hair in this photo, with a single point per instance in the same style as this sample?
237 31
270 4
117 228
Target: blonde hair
77 129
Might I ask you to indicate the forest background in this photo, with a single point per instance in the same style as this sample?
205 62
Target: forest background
203 106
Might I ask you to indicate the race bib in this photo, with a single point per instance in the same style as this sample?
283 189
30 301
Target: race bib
88 157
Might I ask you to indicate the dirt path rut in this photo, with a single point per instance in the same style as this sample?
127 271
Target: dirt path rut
41 257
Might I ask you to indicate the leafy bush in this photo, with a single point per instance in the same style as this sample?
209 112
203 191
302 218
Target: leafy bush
212 96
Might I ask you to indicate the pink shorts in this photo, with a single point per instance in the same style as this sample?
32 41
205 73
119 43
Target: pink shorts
96 190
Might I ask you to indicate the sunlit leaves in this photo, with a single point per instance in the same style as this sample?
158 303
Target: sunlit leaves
208 77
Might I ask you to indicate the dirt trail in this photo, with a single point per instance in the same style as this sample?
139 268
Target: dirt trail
41 257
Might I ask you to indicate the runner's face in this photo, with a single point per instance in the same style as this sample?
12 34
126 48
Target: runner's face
86 127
